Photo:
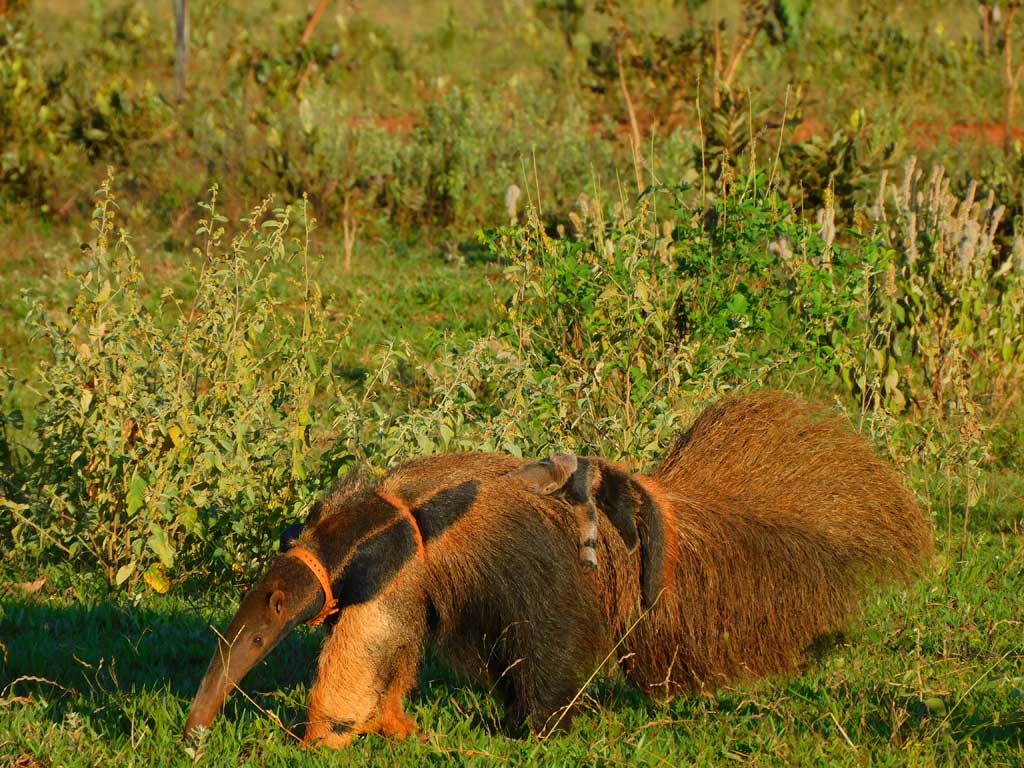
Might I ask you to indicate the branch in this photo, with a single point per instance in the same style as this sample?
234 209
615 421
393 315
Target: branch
313 21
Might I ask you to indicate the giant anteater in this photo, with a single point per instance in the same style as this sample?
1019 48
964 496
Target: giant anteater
758 532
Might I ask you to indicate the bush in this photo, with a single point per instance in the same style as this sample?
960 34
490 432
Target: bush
172 434
11 420
35 147
613 329
950 310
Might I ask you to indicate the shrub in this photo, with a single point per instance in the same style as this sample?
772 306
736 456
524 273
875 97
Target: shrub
614 329
176 434
35 147
11 420
951 306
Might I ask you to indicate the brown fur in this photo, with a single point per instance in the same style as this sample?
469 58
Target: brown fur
782 517
758 532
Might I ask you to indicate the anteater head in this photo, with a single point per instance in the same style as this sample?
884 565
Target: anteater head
360 539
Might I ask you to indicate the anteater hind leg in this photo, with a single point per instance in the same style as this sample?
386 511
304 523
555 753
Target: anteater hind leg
367 665
538 686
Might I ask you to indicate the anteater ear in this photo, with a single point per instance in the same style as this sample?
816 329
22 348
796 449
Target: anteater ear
276 602
546 476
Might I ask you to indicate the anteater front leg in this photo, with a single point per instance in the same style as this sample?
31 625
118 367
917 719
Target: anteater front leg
367 665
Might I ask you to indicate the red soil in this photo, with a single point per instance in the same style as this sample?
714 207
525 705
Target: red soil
923 134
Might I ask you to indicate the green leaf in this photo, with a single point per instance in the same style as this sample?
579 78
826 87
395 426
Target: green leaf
136 493
159 544
738 305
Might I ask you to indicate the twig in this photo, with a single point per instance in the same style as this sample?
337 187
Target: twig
842 730
739 49
181 46
634 129
313 21
30 679
1012 78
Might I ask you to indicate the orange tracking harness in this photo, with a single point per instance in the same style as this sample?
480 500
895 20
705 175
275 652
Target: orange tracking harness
312 562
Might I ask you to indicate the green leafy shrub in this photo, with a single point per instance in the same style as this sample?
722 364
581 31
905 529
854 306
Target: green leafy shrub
950 309
35 147
588 352
56 122
177 434
11 421
614 329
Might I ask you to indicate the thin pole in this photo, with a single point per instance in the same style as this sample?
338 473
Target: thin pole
181 46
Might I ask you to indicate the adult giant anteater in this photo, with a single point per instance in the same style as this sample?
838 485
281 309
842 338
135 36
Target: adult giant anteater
758 532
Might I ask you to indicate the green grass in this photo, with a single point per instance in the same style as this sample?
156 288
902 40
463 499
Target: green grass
930 675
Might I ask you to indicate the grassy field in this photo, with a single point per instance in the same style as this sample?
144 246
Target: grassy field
930 677
712 197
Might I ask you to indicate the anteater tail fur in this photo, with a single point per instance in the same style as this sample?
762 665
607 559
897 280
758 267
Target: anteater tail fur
777 517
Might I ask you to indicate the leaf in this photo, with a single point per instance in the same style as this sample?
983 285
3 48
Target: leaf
30 587
738 305
159 544
123 573
306 115
103 294
136 493
174 432
935 705
156 578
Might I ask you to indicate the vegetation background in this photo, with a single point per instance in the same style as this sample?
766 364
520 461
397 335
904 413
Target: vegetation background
507 225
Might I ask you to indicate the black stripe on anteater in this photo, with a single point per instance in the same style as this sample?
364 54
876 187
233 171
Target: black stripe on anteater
375 563
579 484
652 548
442 510
617 498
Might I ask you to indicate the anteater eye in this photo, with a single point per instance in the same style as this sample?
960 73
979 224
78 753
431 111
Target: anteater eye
257 640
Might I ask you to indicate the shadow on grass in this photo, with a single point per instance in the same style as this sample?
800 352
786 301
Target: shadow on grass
85 657
99 659
893 715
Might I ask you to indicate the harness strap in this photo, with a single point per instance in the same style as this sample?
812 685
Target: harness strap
403 508
311 561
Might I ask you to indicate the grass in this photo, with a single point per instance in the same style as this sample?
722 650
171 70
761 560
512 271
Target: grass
932 675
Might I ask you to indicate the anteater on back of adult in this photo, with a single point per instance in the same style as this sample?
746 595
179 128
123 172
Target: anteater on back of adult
759 532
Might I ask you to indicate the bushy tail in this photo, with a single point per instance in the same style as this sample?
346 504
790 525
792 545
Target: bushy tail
793 463
782 516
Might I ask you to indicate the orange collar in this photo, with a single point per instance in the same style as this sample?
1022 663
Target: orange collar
313 563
